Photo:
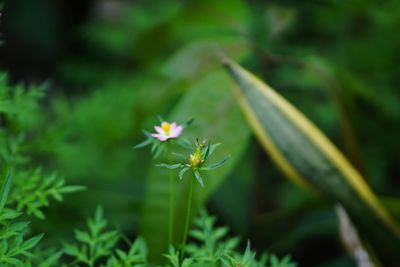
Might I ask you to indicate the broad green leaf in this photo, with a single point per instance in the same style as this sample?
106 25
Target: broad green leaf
217 117
307 157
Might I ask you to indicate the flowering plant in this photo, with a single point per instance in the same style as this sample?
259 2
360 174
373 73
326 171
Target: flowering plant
165 132
196 161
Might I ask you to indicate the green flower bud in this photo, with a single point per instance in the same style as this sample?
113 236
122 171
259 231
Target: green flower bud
196 159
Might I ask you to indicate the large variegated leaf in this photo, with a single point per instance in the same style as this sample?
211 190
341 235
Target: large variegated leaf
307 157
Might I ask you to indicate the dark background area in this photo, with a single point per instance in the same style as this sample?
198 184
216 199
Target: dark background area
40 35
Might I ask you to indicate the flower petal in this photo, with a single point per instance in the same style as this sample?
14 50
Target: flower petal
159 129
160 137
176 131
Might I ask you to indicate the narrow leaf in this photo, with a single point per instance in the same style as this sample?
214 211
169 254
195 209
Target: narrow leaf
5 189
146 142
183 142
158 151
169 166
30 243
214 166
206 152
188 123
182 172
52 260
179 155
213 147
72 188
199 178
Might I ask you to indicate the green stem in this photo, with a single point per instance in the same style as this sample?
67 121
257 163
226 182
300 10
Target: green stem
189 205
171 199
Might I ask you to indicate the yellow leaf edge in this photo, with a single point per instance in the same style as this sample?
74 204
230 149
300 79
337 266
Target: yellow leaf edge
352 176
267 143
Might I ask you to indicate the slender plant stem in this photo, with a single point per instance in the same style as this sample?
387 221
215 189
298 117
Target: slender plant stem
189 205
171 199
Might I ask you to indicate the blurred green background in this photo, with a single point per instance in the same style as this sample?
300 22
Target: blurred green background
110 67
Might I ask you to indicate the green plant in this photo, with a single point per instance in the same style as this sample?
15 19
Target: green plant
136 256
26 190
211 246
165 134
194 163
93 244
14 250
33 188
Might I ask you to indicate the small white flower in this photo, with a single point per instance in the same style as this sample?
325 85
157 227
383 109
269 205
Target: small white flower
167 131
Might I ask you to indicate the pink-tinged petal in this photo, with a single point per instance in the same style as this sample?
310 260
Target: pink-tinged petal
173 125
156 135
160 137
159 129
176 131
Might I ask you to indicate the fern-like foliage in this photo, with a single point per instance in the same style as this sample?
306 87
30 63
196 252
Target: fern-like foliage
97 246
173 258
31 188
19 105
135 257
212 247
34 189
93 244
19 113
14 248
212 242
46 258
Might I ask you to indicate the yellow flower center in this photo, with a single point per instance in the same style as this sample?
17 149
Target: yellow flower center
166 127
